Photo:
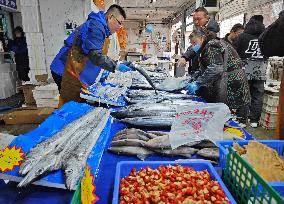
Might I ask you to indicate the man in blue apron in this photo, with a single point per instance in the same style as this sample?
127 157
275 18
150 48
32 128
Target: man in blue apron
89 38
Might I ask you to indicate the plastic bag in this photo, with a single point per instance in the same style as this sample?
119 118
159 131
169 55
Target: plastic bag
199 121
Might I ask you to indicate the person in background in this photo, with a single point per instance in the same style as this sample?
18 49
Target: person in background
92 35
201 20
236 30
271 43
254 64
221 73
20 48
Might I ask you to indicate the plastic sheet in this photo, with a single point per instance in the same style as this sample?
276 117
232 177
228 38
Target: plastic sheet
105 93
199 121
54 123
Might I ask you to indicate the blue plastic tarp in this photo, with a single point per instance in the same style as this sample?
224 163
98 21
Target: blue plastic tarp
54 123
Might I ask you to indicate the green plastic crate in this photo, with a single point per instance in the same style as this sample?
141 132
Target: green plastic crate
245 184
77 195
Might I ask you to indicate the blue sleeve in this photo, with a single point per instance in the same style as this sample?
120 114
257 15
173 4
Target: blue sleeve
94 37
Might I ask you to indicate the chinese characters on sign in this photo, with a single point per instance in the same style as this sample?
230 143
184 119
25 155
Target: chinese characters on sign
198 122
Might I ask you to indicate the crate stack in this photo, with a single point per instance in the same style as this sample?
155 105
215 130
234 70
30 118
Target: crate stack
276 68
31 20
46 95
268 117
8 80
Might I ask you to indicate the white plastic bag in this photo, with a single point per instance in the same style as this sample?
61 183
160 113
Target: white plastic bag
196 122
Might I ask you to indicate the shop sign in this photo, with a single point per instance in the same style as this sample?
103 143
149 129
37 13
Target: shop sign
9 4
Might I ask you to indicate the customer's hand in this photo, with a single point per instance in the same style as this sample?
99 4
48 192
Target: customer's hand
182 62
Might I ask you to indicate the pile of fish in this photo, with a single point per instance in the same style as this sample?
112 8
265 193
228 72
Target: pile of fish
150 96
156 115
106 93
120 78
67 150
135 142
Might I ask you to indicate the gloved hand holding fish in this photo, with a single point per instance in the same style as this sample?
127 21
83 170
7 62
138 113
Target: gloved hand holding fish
135 142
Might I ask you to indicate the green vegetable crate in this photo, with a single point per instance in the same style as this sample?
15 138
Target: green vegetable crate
245 184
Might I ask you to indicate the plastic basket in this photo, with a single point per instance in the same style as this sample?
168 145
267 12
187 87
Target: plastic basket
124 168
245 183
76 199
278 145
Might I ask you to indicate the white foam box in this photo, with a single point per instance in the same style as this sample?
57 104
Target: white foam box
5 68
34 39
271 100
49 91
47 103
31 19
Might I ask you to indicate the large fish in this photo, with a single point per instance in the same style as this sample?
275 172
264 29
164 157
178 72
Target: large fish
131 133
150 122
210 153
73 167
161 142
128 142
48 145
180 151
55 158
140 152
173 84
144 73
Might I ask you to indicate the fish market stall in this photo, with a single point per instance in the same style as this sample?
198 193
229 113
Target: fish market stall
101 161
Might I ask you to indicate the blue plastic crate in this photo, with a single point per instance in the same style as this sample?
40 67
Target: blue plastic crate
124 168
278 145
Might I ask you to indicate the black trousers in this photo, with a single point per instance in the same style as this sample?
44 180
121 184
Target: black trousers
57 79
257 91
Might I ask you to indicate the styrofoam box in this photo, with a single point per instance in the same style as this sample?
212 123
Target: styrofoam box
48 87
270 109
31 19
271 100
47 103
6 92
29 3
45 94
34 39
38 71
5 68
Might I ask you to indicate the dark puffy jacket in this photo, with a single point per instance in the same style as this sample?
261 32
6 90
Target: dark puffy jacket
271 41
246 43
232 87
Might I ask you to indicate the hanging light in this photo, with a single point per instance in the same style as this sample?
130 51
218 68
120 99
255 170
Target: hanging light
148 16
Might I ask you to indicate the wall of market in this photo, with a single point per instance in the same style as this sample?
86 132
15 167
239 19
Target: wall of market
47 24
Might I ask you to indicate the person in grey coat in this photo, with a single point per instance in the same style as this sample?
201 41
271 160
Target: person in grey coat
254 64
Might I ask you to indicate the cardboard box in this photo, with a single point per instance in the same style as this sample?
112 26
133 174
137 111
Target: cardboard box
27 116
28 93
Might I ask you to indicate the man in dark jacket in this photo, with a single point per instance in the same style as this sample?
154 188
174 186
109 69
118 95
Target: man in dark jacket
271 43
236 30
20 48
253 63
202 20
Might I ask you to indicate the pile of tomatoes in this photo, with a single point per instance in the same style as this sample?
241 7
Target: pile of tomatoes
170 184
